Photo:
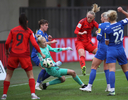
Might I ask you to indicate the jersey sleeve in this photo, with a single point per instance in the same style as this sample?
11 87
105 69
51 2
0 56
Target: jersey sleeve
8 40
96 24
124 21
54 49
39 32
78 27
99 35
34 43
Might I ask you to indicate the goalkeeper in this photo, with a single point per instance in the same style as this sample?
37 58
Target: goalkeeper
55 70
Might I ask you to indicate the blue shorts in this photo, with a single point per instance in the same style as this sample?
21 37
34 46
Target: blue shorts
102 51
101 54
118 54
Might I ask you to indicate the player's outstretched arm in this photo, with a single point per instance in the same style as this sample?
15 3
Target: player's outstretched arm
68 48
120 9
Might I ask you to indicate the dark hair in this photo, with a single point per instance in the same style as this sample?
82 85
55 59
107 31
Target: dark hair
42 22
23 21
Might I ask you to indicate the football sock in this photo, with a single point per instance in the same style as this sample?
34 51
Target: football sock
112 79
78 80
37 84
6 86
108 86
41 75
126 74
82 61
89 85
55 81
32 85
47 84
92 76
107 76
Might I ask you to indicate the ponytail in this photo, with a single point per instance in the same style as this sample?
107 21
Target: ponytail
23 21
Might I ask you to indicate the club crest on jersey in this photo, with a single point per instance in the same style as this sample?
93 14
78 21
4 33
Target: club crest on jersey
99 30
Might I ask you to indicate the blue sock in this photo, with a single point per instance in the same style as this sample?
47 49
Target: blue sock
112 79
126 74
45 76
41 75
92 76
107 76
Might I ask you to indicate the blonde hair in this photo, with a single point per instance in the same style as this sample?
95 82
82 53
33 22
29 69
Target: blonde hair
112 15
105 15
95 9
39 38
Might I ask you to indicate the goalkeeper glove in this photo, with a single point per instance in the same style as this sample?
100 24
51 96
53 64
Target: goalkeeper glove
68 48
58 63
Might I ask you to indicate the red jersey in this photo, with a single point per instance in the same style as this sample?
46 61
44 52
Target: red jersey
84 25
20 41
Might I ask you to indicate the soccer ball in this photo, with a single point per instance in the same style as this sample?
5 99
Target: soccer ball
47 63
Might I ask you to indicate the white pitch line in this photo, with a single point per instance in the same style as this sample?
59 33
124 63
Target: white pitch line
50 79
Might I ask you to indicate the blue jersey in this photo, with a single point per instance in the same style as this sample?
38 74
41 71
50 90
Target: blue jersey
39 32
102 47
100 35
114 33
34 56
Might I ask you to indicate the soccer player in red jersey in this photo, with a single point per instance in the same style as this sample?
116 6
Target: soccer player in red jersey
83 31
20 53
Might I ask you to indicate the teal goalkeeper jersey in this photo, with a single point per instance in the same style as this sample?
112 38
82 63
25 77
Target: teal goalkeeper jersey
46 52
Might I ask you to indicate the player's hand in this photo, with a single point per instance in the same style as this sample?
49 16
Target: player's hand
85 32
58 63
54 41
119 9
49 37
69 48
7 53
40 58
42 55
96 32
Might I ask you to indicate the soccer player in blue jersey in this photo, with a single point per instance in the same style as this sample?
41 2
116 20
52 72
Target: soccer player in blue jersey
100 55
115 51
43 25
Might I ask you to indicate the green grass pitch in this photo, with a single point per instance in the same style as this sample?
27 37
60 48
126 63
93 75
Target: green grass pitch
69 90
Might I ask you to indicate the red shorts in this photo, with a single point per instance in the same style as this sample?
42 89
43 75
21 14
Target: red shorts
25 63
89 46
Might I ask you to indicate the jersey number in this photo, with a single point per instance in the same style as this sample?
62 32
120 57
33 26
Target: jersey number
19 38
117 34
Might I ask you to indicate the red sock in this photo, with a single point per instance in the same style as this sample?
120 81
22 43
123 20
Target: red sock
82 61
32 85
6 86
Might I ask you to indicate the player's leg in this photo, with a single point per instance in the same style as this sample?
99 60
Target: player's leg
12 64
53 82
6 83
112 78
27 66
31 83
122 59
95 63
39 79
125 70
81 53
75 77
106 71
80 49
